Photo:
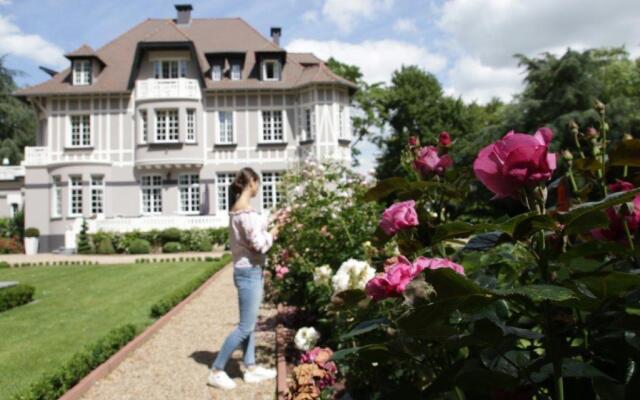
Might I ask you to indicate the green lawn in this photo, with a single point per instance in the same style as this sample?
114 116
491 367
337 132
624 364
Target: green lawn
75 306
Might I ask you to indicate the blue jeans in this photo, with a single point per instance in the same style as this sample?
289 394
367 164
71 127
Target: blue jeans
249 283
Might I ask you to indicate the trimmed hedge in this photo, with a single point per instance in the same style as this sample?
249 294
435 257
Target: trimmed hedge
16 296
163 306
4 264
171 235
139 246
105 247
51 387
172 247
31 232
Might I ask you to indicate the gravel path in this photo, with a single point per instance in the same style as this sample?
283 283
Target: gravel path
174 363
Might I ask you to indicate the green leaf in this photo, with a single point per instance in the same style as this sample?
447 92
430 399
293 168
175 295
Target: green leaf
586 222
627 152
592 249
486 241
610 284
586 208
539 293
341 354
364 327
534 223
448 283
452 230
587 165
385 188
348 298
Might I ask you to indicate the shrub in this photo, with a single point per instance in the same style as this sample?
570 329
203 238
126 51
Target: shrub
170 235
52 386
4 264
15 296
139 246
172 247
84 244
105 247
16 225
10 246
205 245
163 306
31 232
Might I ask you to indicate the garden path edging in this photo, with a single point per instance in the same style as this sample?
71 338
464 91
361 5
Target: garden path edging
283 337
77 391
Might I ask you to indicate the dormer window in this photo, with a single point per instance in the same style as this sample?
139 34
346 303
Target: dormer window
216 72
170 69
82 72
271 70
236 73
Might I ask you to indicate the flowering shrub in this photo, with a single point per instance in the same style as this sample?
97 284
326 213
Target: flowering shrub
352 275
543 303
306 338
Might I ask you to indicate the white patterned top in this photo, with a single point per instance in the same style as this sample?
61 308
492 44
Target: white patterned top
249 238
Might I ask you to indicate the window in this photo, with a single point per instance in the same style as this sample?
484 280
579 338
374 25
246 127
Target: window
308 130
216 72
170 69
167 126
225 127
75 196
82 72
151 186
144 128
235 71
80 131
223 182
97 194
270 193
189 190
56 198
272 126
191 125
342 124
271 70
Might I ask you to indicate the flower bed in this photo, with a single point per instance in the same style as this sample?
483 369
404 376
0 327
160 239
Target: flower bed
416 302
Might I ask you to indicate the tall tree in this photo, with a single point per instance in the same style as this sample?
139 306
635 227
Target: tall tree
17 120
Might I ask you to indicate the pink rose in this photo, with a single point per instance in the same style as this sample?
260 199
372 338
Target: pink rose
616 231
444 139
516 161
620 186
281 271
413 141
428 161
398 217
422 263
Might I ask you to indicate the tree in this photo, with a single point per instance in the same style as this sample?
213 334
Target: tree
84 243
17 120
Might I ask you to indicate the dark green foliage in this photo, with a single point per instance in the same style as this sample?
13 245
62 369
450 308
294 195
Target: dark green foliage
31 232
170 301
15 296
139 246
105 247
172 247
51 387
84 245
4 264
204 245
170 235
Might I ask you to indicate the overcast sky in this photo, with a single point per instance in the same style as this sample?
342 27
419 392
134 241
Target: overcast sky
467 44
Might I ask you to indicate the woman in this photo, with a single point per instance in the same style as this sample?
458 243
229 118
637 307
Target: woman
249 241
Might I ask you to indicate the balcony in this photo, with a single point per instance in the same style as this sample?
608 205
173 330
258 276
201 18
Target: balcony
158 89
158 222
40 155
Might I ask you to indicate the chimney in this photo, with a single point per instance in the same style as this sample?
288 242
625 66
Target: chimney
276 31
183 14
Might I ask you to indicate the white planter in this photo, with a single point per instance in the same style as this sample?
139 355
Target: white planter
31 246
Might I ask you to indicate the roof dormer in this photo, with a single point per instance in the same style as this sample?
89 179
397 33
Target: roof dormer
85 65
271 64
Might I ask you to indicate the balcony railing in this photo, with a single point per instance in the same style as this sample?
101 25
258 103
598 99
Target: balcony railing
41 155
158 222
179 88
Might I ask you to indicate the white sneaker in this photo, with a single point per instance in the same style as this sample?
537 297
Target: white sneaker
221 380
259 374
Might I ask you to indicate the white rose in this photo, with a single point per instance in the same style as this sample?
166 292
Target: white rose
352 274
306 338
322 275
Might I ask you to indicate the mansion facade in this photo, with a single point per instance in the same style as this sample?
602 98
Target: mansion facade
148 131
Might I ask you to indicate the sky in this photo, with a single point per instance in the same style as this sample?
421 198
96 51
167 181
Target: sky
468 44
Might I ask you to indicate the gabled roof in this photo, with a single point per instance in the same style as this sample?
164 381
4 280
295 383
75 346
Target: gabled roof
203 36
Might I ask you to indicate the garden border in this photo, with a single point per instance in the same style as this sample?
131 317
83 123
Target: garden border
283 337
78 390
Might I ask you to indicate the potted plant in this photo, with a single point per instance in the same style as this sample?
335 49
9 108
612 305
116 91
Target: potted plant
31 238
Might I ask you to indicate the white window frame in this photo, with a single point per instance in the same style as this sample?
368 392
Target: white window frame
83 133
56 197
81 72
144 126
191 116
97 192
216 72
189 193
277 70
164 121
308 124
236 71
270 195
343 124
269 135
223 182
223 128
76 190
160 66
155 198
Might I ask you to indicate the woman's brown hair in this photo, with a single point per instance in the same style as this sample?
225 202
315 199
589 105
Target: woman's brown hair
240 182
